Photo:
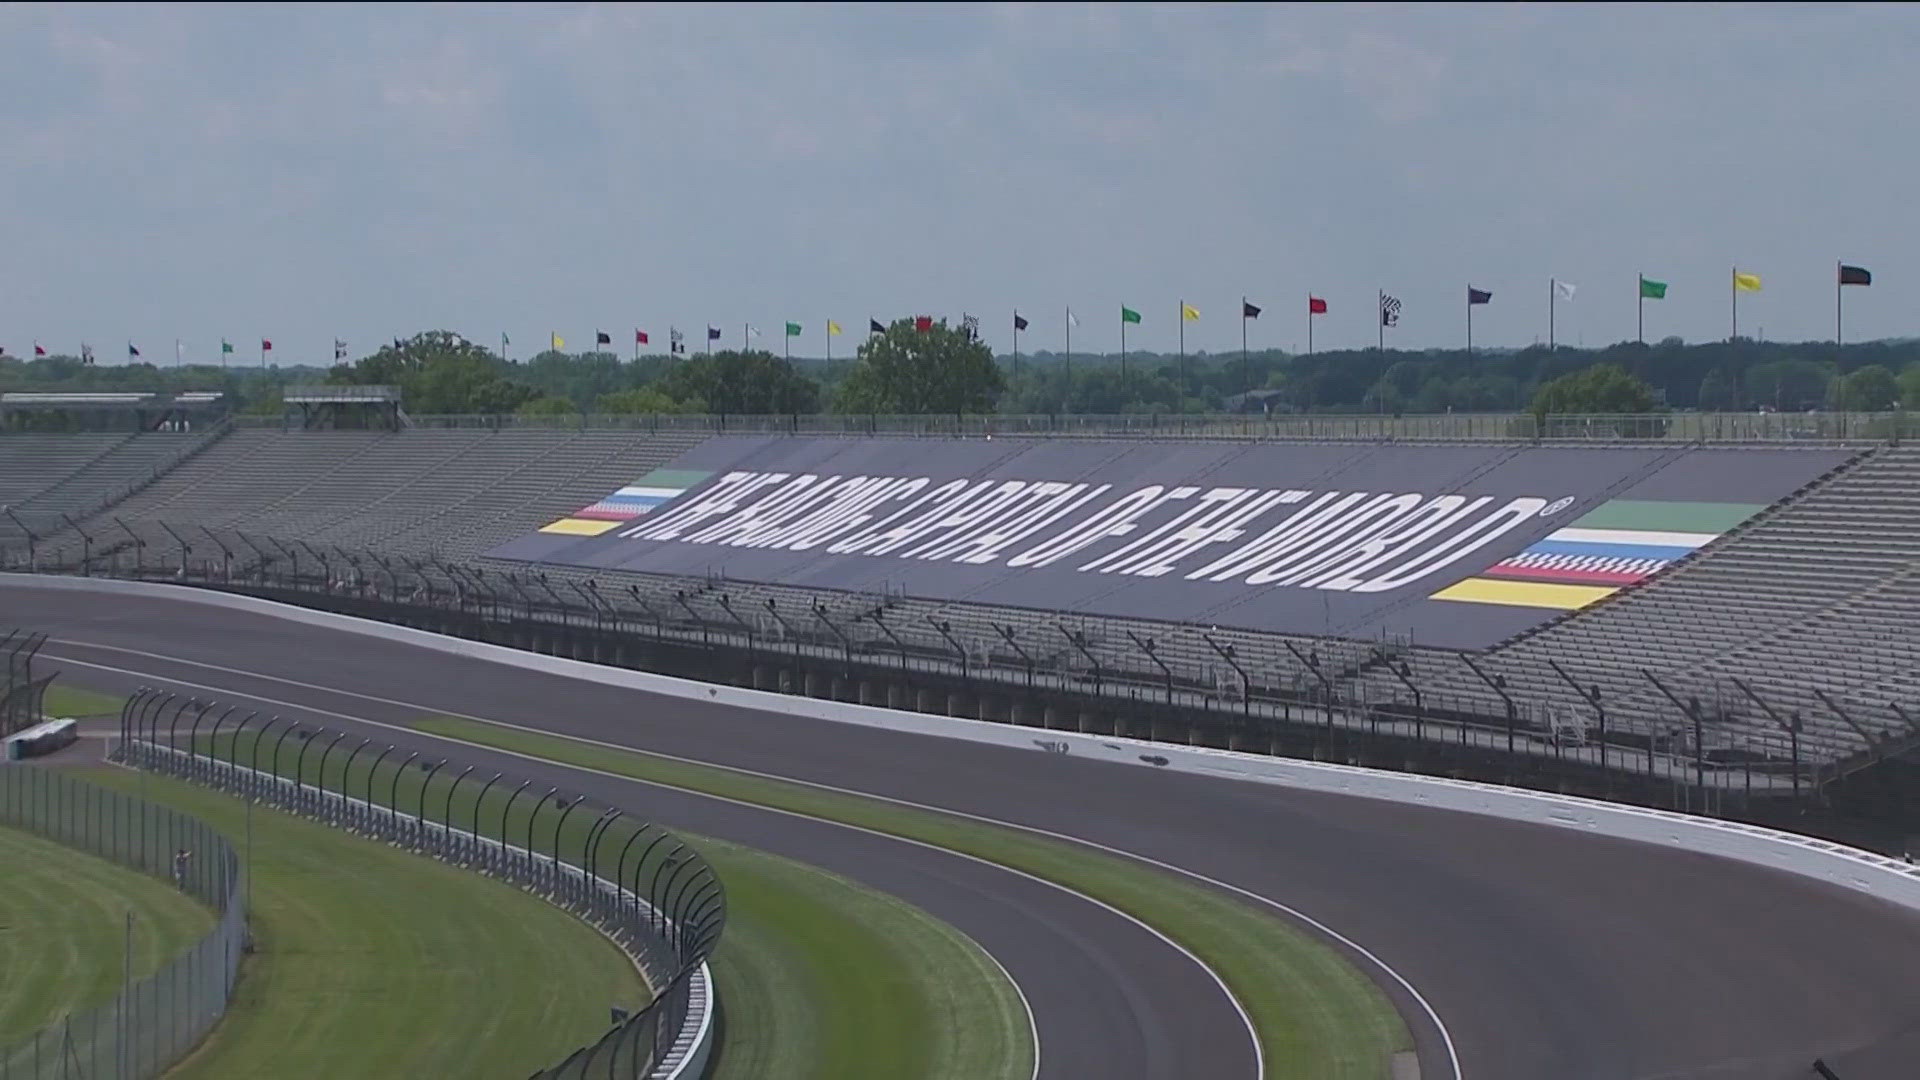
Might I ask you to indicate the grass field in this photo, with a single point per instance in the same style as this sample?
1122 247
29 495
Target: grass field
1316 1015
371 962
817 976
63 930
74 703
820 978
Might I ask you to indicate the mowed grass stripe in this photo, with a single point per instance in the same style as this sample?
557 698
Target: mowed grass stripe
820 978
63 930
1317 1016
373 962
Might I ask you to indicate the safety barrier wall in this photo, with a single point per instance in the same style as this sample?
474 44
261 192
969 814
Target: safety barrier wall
156 1021
667 931
1839 864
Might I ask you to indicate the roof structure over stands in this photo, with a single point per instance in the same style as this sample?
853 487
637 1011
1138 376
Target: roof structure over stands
327 406
145 410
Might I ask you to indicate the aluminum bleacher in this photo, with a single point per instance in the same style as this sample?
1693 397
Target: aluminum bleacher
1810 607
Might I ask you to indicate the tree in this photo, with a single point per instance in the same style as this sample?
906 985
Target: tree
636 402
548 405
439 372
909 371
1603 389
748 383
1869 389
1910 387
1719 392
1789 384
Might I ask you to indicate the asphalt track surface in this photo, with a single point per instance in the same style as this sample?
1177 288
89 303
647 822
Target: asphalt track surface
1547 953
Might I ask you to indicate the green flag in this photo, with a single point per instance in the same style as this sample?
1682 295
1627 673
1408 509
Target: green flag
793 329
1652 290
1127 314
224 347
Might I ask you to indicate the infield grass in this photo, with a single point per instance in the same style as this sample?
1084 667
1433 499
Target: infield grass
820 978
63 930
77 704
1317 1017
371 962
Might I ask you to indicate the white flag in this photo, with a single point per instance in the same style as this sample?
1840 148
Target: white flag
1565 289
754 330
1072 319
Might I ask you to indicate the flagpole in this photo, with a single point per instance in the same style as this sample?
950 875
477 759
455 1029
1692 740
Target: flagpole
1836 305
1380 317
1123 350
1469 321
1245 387
1183 344
1309 324
1640 292
829 346
1069 353
1734 291
1551 297
1016 345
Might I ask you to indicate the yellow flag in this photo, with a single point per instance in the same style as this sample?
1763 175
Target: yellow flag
1746 282
1189 312
559 342
833 328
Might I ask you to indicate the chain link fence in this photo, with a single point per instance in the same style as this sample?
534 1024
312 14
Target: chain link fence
648 891
154 1022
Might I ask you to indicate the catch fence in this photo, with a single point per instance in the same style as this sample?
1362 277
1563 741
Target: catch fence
153 1022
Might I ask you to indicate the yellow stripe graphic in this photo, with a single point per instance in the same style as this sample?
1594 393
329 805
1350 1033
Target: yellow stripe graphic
580 527
1524 593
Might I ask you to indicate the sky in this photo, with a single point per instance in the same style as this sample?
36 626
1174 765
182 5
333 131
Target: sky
303 173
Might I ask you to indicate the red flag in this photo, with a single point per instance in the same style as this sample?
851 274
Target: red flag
265 345
1316 306
922 323
639 337
38 349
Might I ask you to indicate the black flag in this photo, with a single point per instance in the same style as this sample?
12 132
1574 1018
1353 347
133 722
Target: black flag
874 327
1248 311
1019 321
600 337
1855 275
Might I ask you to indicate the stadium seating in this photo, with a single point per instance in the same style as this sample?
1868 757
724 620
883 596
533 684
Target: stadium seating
1810 605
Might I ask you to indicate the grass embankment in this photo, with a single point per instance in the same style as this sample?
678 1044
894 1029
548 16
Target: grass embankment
818 977
1316 1015
63 930
373 962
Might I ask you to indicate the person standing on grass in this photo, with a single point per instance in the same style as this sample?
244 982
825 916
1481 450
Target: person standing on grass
181 859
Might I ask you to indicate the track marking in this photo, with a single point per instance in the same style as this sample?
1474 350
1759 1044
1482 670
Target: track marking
1432 1015
1246 1020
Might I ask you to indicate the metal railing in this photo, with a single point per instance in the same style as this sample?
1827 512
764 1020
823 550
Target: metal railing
1743 427
154 1022
647 890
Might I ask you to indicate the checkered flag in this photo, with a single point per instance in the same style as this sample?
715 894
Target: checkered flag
1389 310
971 324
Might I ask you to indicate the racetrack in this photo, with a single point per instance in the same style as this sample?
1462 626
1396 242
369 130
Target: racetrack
1546 952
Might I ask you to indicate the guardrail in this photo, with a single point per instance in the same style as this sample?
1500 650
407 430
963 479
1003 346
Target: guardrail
154 1022
1793 428
666 909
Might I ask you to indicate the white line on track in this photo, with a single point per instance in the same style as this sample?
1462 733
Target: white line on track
1432 1015
1246 1019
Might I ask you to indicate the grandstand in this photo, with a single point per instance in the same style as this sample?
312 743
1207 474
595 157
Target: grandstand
1788 638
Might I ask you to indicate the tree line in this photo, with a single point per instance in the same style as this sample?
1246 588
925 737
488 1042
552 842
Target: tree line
944 370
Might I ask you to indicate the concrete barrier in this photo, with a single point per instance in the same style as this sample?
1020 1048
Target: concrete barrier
1838 864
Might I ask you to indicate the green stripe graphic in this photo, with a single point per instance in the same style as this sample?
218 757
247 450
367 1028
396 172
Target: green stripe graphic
671 478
